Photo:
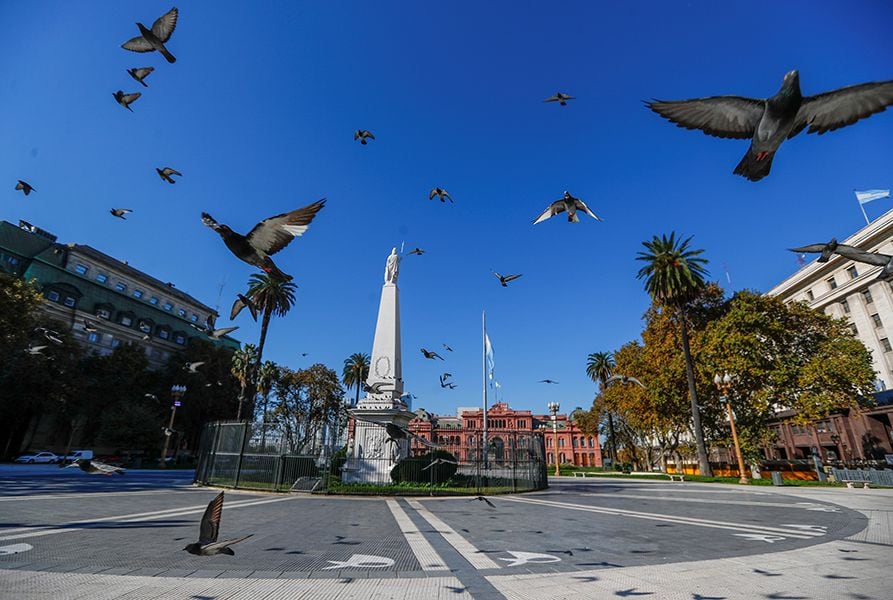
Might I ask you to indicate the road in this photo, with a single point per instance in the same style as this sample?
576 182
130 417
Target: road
130 530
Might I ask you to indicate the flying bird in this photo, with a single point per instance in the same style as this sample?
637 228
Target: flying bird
769 122
568 204
192 366
166 173
240 303
447 348
155 38
825 249
207 544
482 499
50 335
25 187
120 212
267 238
94 467
126 100
430 355
876 259
140 74
559 98
219 333
304 353
89 326
362 135
444 383
548 381
505 280
416 251
440 461
624 379
440 193
34 350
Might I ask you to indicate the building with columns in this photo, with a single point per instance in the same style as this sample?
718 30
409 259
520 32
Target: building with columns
852 291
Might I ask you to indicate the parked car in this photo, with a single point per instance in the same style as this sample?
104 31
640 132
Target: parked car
78 454
39 457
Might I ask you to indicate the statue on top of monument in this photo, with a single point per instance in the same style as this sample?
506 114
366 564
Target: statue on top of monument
392 268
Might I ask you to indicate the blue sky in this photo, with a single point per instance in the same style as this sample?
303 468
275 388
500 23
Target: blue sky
259 111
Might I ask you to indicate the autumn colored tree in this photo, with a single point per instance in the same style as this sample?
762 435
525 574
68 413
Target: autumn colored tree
307 401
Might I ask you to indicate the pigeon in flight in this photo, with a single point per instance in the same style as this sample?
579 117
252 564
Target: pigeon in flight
440 461
505 280
120 212
50 335
567 204
89 326
268 237
430 355
559 98
240 303
440 193
416 251
362 135
155 38
447 348
192 366
482 499
304 353
219 333
25 187
825 249
34 350
768 122
140 74
126 100
624 379
207 544
876 259
447 384
94 467
548 381
166 173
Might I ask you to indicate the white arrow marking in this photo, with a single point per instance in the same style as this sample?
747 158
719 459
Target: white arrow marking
14 549
361 561
817 528
522 558
769 539
824 509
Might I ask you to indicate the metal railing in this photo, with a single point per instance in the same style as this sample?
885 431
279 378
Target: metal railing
255 456
875 476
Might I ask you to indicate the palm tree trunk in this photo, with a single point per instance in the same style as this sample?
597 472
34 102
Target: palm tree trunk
358 392
613 441
252 379
703 460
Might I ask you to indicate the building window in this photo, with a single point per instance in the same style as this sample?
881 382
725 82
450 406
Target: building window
69 302
153 300
885 344
145 326
121 286
867 296
93 337
181 312
81 269
164 334
809 295
126 320
180 339
115 342
854 329
53 296
102 277
137 294
832 283
876 319
852 271
561 442
103 313
845 305
168 306
193 317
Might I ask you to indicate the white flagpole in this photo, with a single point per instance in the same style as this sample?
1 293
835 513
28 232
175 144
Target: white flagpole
862 206
484 342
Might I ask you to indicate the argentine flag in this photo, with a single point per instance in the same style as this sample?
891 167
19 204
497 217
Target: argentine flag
869 195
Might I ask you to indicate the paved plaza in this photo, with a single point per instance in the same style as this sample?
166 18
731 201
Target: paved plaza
64 534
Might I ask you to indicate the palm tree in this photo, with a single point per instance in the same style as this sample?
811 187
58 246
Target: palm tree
599 366
356 371
266 374
271 296
674 274
243 362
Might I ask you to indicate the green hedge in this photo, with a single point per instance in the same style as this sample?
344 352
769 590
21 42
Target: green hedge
419 469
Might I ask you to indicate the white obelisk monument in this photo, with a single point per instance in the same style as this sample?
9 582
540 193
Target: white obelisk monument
372 453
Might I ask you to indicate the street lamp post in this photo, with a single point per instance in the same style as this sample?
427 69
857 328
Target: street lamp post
553 410
724 385
177 392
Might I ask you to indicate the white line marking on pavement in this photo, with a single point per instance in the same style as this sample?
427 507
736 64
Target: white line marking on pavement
15 549
759 529
475 557
134 518
32 497
701 500
424 552
361 560
769 539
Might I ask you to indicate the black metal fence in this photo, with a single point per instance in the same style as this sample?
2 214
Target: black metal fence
255 456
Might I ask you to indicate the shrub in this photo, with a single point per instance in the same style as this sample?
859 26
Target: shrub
419 469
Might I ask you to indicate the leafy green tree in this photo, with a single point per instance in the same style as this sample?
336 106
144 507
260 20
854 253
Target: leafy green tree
599 367
243 364
266 375
674 274
356 371
308 400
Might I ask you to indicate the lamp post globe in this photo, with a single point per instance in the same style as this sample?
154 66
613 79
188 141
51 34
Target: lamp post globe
553 412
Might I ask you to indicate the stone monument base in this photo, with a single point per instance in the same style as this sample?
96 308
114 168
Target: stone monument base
374 454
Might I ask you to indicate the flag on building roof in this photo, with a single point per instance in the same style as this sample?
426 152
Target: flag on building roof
869 195
491 364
